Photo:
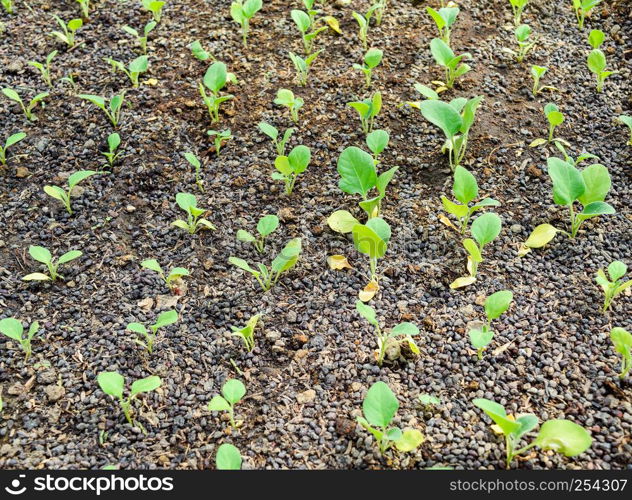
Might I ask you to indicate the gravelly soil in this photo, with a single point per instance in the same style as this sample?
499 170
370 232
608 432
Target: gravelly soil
314 358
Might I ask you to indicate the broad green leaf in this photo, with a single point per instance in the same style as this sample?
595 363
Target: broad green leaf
11 94
357 171
429 399
299 159
242 264
192 159
269 130
215 77
40 254
595 209
405 328
77 177
596 38
540 236
147 384
454 208
228 458
442 115
166 318
596 61
465 188
384 179
112 383
288 257
367 312
68 256
218 403
381 228
480 338
497 303
527 423
616 270
441 52
377 141
12 328
13 139
186 201
233 391
621 338
597 181
139 65
498 414
137 328
301 19
55 192
373 57
380 405
245 236
152 264
410 440
486 228
267 225
563 436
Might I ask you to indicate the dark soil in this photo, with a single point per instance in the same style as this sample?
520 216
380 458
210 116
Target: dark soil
314 356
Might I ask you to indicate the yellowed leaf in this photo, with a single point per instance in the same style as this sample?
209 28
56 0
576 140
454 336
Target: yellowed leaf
447 222
150 81
463 281
497 429
337 262
333 23
523 250
369 291
540 236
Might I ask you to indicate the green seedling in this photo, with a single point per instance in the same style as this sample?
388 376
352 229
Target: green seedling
265 227
380 10
199 53
195 163
377 142
537 72
404 332
444 18
555 118
525 42
13 329
228 458
485 229
597 59
372 239
379 408
615 285
133 71
8 6
64 195
27 109
147 338
562 436
453 66
455 119
215 79
291 166
68 30
171 279
44 68
273 133
302 66
286 98
113 384
194 222
368 109
582 9
233 392
307 27
242 11
465 190
517 7
364 21
70 80
85 8
112 107
428 400
588 187
283 262
626 120
114 141
155 7
141 39
11 140
622 341
220 137
495 305
247 333
372 59
43 255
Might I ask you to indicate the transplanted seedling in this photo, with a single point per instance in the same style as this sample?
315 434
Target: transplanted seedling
291 166
43 255
147 338
11 140
364 21
155 7
615 285
524 40
452 64
283 262
199 52
112 107
215 79
114 141
597 59
133 70
562 436
68 30
26 108
8 8
220 137
379 408
194 222
141 39
465 190
622 341
242 11
537 72
273 133
44 67
404 332
113 384
308 27
372 239
228 457
265 227
247 333
377 142
302 65
195 163
13 329
85 8
372 59
582 9
286 98
64 195
626 120
444 18
171 279
495 305
368 109
517 7
555 118
233 392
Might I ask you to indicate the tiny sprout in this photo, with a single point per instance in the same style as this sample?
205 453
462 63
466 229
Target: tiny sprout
219 138
228 457
194 222
273 133
622 340
113 384
85 8
67 33
134 69
372 239
303 66
372 59
525 43
286 98
8 6
27 109
364 21
517 6
171 279
377 142
215 79
428 400
44 68
307 27
247 333
626 120
64 195
11 140
141 39
147 338
291 166
199 53
597 59
537 72
242 11
195 163
368 110
111 107
555 118
495 305
155 7
233 392
114 141
13 329
43 255
446 58
265 227
444 18
582 9
615 285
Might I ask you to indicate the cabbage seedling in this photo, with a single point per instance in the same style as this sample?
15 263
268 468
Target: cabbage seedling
171 279
465 190
588 187
368 109
582 9
133 71
242 11
199 53
597 59
13 329
302 66
247 333
537 72
11 140
195 163
113 384
379 408
444 18
291 166
307 27
380 10
64 195
428 400
286 98
228 457
8 6
85 8
43 255
283 262
372 58
141 39
44 68
372 239
495 305
220 137
562 436
626 120
112 107
68 30
455 119
517 7
364 21
147 338
265 227
233 392
377 142
215 79
27 109
555 118
525 43
114 141
404 332
194 222
155 7
622 340
445 57
273 133
615 285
